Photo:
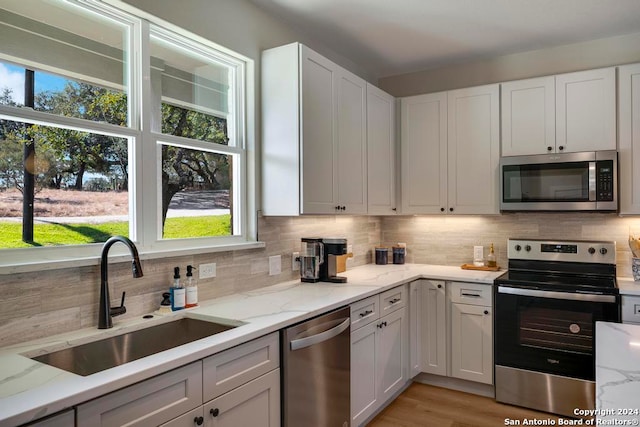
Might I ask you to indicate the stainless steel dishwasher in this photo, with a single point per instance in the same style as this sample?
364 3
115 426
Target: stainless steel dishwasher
316 374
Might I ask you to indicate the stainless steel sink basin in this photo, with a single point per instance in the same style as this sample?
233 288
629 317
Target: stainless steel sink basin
96 356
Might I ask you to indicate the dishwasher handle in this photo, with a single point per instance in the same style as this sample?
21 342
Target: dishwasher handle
322 336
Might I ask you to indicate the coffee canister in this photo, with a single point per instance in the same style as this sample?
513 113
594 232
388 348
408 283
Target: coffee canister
398 254
381 255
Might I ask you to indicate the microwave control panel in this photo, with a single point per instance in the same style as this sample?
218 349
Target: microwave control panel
604 180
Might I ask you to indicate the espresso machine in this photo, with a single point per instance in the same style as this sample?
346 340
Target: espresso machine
311 259
334 250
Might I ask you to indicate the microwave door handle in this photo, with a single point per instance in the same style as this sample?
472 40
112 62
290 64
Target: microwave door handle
592 181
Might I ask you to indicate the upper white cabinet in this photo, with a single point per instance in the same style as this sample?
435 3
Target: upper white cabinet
381 152
450 146
586 110
528 116
314 146
629 133
565 113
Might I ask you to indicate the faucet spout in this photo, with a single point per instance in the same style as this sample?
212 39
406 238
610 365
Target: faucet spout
105 311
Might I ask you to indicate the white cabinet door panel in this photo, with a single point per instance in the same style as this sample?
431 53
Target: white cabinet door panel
433 323
629 150
392 351
381 152
364 372
471 343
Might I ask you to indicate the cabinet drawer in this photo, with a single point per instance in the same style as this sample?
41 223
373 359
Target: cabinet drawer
471 293
630 309
393 299
150 402
365 311
232 368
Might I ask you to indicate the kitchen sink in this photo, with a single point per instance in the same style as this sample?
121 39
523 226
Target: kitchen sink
96 356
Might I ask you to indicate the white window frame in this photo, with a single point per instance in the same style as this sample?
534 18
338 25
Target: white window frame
144 155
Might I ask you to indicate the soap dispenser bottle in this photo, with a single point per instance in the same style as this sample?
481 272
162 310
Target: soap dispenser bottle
192 288
178 299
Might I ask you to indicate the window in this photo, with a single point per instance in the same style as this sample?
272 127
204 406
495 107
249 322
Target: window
89 148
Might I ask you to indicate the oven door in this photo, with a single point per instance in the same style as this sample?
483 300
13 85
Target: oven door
548 331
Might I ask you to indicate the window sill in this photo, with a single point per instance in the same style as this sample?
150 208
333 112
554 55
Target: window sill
121 254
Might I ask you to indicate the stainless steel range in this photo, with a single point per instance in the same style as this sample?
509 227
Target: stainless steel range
546 306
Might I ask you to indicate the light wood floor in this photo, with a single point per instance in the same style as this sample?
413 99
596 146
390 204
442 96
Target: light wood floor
423 405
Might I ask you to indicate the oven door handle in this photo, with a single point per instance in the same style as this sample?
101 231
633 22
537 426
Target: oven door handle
557 295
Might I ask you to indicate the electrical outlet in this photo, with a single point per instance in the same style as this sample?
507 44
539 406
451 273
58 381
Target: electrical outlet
275 265
295 263
206 271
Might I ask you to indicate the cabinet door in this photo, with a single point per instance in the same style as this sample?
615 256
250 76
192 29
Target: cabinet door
381 152
629 150
151 402
415 327
473 150
471 343
424 153
586 111
255 404
193 418
364 372
351 152
392 353
319 133
528 116
433 326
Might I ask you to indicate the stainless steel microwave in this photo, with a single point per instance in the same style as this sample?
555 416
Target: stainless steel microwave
585 181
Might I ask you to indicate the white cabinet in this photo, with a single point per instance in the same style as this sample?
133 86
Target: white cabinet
631 309
239 387
151 402
567 113
433 322
471 332
314 154
629 133
586 110
381 152
378 352
528 116
450 145
62 419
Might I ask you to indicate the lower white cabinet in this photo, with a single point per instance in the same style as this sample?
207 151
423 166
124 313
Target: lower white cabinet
379 353
62 419
455 329
631 309
239 387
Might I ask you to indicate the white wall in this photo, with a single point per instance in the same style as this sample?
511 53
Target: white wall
574 57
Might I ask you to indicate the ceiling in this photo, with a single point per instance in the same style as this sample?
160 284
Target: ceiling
389 37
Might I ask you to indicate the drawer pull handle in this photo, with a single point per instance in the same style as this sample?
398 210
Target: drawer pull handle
198 420
395 300
464 294
366 313
214 412
382 325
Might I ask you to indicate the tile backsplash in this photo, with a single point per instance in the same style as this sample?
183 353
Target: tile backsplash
39 304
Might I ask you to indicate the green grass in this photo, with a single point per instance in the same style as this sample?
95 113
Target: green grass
77 234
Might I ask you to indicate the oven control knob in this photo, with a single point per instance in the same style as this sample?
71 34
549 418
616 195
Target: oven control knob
518 248
603 251
592 251
527 248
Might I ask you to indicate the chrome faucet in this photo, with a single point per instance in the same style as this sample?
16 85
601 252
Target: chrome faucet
105 311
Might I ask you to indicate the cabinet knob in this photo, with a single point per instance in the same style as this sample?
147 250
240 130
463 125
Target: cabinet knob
441 209
439 286
337 208
450 209
198 421
561 147
394 209
549 148
486 312
214 412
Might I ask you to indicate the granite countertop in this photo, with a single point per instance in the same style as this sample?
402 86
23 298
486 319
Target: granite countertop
617 374
30 390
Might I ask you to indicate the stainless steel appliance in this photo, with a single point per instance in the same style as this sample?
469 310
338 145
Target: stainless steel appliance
333 247
316 371
311 259
585 181
546 306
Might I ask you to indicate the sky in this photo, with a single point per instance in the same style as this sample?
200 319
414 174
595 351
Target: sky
12 77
